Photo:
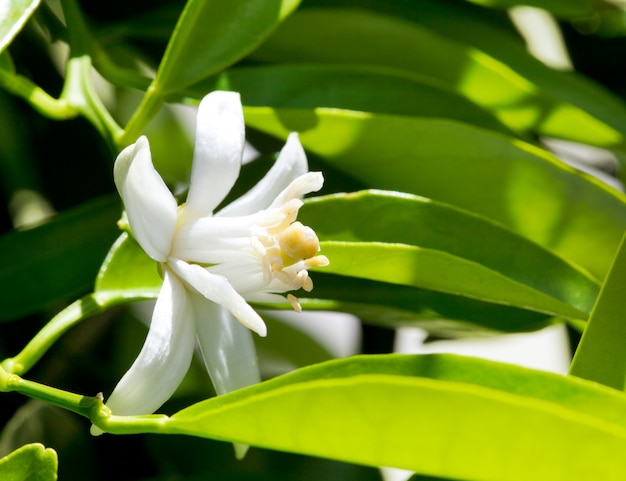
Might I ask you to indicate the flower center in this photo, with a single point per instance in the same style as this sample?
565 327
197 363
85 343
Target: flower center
298 242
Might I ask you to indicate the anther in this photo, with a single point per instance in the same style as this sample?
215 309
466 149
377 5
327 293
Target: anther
294 303
299 241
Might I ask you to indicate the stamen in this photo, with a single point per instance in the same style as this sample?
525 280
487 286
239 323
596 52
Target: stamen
317 261
294 303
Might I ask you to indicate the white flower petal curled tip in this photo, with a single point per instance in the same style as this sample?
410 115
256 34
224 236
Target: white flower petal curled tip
253 250
151 208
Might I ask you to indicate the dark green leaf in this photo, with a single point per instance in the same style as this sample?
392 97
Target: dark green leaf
56 260
369 89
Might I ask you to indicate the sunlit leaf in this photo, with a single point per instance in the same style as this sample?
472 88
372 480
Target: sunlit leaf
496 36
402 220
601 356
32 462
440 415
357 37
210 36
13 15
127 273
439 271
516 184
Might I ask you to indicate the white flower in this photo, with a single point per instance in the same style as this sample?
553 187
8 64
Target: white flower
212 264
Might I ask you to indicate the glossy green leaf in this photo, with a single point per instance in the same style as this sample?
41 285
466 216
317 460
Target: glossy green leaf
350 36
32 462
369 89
516 184
393 305
13 16
600 355
127 273
211 35
440 415
439 271
495 35
393 218
57 260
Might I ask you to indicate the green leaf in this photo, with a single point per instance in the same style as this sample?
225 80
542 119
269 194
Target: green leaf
127 273
57 260
14 15
600 355
439 271
494 35
402 220
394 305
358 37
516 184
211 35
440 415
368 88
32 462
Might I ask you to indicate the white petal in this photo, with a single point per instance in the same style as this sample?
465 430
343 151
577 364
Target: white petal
226 345
291 164
228 351
305 184
217 289
151 208
220 139
165 356
208 239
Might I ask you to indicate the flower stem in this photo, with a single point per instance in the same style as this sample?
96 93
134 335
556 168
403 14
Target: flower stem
80 92
83 405
44 339
91 407
58 109
149 106
79 89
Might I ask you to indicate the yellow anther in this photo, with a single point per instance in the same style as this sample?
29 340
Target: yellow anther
299 241
294 303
